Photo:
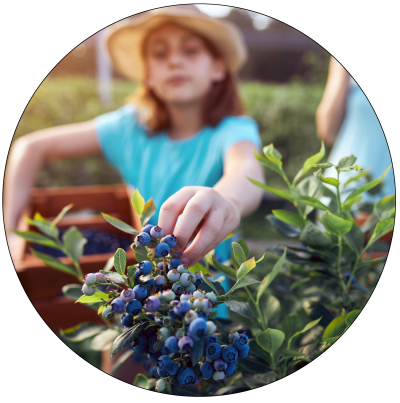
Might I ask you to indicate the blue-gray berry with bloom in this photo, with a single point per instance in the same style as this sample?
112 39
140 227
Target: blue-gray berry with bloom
185 343
118 306
108 313
160 281
211 328
145 267
90 279
143 239
172 344
197 329
186 296
212 297
140 291
169 295
190 316
220 365
168 321
163 334
134 307
181 308
186 376
177 288
162 250
88 290
207 370
218 376
173 275
152 304
190 288
229 353
213 351
156 232
160 385
127 295
183 268
187 279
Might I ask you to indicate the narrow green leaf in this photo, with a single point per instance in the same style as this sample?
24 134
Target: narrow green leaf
270 340
264 161
323 165
284 228
335 328
351 317
312 201
245 268
72 291
382 228
230 273
137 202
141 381
355 238
96 297
74 243
242 308
329 181
245 247
290 218
120 224
141 252
384 207
277 192
209 283
54 262
313 236
291 324
310 162
82 331
197 268
357 177
334 224
238 252
126 338
43 225
197 351
306 328
347 161
61 214
35 237
244 282
273 155
261 258
290 353
271 276
368 185
347 205
120 261
149 210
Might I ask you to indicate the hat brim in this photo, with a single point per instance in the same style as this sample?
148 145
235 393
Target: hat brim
124 42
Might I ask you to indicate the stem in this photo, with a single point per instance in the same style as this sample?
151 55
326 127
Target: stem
338 198
339 262
260 317
272 361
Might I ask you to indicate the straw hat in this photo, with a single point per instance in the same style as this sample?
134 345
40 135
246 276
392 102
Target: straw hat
125 40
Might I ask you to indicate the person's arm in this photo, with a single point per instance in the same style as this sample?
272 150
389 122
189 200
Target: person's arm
332 108
29 152
213 213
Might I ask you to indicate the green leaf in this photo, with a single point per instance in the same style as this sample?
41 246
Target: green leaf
35 237
72 291
141 382
96 297
347 162
54 262
149 210
310 186
197 268
310 162
329 181
245 247
347 205
277 192
244 282
284 228
120 224
356 177
243 308
196 353
291 324
334 224
43 225
264 161
209 283
270 340
121 360
384 207
245 268
113 276
131 270
270 276
290 218
323 165
368 186
306 328
140 252
238 253
137 202
270 308
127 338
120 261
258 351
351 317
335 328
230 273
104 340
313 202
254 365
313 236
61 214
273 155
331 339
74 243
82 331
290 353
355 238
381 229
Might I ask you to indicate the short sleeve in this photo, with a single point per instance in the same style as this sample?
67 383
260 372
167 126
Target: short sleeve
113 130
239 128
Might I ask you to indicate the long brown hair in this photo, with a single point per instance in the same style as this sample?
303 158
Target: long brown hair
223 100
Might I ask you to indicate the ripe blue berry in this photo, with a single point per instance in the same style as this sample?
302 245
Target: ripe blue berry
185 343
163 361
165 351
229 353
162 373
153 357
181 308
220 365
156 232
152 304
206 370
170 240
230 369
143 239
175 263
150 315
90 279
140 291
202 315
134 307
147 228
127 295
160 266
240 342
153 372
145 267
88 290
118 306
162 250
213 351
140 341
140 350
172 368
245 352
197 328
185 376
209 340
127 320
172 344
346 278
150 343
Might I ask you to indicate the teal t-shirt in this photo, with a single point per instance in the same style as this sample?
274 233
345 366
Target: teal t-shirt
159 166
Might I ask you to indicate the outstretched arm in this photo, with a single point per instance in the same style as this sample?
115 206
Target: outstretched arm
332 109
210 214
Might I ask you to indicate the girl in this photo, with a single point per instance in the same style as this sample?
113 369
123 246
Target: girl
182 139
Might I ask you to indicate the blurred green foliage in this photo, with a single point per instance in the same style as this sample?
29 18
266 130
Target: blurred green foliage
285 115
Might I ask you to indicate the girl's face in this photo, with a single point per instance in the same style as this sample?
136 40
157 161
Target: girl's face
180 68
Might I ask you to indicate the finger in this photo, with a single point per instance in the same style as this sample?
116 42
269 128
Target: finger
173 207
194 211
207 236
